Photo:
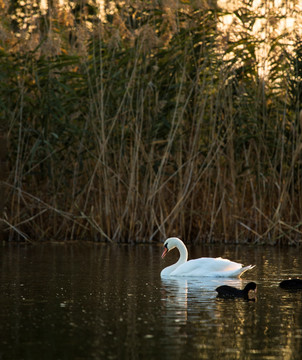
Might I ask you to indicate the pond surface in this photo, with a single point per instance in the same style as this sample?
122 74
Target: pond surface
86 301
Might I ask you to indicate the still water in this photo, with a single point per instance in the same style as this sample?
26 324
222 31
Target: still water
87 301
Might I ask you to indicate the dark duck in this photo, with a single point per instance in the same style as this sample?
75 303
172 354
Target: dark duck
230 292
291 284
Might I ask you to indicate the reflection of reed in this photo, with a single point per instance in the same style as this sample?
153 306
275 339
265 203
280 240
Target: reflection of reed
110 300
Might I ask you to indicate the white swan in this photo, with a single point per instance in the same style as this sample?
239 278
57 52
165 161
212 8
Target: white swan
205 266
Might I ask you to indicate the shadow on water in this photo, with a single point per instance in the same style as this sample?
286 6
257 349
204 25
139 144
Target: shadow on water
108 302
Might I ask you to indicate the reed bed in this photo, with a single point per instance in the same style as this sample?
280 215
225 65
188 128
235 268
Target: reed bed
150 127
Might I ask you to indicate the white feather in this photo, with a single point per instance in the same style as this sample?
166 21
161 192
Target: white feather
215 267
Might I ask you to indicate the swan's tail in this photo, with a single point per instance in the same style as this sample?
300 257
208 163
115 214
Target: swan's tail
244 269
233 273
236 273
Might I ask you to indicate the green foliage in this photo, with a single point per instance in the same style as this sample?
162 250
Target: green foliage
157 129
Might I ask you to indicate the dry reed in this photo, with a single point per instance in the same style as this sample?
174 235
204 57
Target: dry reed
144 138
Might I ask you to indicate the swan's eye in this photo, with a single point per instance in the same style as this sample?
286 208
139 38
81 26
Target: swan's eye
166 246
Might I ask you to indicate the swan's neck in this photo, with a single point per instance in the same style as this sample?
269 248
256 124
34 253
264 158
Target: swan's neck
183 252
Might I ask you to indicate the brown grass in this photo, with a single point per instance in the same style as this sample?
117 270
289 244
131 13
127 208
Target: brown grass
137 134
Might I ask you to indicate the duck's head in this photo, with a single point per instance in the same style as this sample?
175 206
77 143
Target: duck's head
251 286
251 289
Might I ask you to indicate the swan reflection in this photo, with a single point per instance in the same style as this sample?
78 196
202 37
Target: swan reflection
185 297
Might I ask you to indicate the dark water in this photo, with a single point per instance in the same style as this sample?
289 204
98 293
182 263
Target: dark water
108 302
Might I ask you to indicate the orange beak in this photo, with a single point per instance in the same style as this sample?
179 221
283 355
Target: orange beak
164 253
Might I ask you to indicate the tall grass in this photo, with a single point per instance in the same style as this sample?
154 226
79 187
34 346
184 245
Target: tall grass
152 133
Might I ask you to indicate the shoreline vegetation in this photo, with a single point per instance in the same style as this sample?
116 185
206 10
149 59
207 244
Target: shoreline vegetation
148 124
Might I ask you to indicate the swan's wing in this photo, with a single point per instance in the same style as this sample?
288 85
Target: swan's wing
210 267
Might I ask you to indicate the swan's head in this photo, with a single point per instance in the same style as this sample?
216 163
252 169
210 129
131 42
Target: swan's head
170 244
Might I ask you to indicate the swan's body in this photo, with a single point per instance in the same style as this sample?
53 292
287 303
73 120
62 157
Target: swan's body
216 267
226 291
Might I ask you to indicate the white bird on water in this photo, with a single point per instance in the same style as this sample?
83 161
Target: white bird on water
205 266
